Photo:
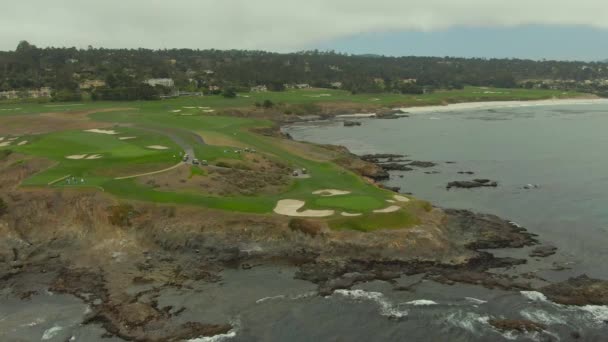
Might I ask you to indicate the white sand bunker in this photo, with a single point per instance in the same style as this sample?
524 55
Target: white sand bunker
76 156
22 143
401 198
126 138
208 110
158 147
330 192
4 144
189 107
351 214
176 111
390 209
1 138
289 207
101 131
94 156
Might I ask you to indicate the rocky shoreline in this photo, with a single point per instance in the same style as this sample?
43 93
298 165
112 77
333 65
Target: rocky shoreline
76 249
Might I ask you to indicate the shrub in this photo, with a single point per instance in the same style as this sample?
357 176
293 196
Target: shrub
5 153
3 208
305 226
120 215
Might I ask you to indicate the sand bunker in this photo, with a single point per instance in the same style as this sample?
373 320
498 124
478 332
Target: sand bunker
158 147
204 107
94 156
391 201
289 207
101 131
208 110
1 138
330 192
401 198
189 107
126 138
4 144
176 111
351 214
22 143
76 156
390 209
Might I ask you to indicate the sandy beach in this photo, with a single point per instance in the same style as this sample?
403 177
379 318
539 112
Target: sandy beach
500 104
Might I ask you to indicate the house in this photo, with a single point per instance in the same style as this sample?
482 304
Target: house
39 93
303 86
336 85
409 80
9 94
165 82
259 89
90 84
214 88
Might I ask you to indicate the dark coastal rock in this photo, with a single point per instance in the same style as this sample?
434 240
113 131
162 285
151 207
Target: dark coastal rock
376 158
543 251
422 164
466 172
518 325
579 291
395 167
432 172
489 231
476 183
391 188
391 114
351 123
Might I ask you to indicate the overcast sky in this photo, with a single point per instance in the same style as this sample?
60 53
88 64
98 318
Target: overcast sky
396 27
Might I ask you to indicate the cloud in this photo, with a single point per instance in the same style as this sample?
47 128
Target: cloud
279 25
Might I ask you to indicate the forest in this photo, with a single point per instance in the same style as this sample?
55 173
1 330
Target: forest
123 71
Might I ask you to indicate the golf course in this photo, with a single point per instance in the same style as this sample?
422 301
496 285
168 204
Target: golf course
137 151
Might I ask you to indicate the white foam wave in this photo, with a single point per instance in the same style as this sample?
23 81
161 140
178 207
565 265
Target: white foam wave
303 295
534 296
469 321
265 299
386 307
51 332
475 300
236 326
541 316
421 302
598 313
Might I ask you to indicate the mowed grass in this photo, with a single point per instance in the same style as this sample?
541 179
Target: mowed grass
118 157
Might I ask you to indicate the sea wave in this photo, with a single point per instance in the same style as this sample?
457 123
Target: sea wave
534 296
467 320
236 326
265 299
475 300
542 316
597 313
386 307
421 302
51 332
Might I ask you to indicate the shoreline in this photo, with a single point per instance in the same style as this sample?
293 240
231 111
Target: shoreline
500 104
476 105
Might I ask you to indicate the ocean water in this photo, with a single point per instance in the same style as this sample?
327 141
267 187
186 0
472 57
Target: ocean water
562 149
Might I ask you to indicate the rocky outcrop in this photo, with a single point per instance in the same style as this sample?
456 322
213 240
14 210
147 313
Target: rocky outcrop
476 183
352 123
543 251
580 291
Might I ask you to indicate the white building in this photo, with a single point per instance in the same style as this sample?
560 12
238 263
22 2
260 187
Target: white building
165 82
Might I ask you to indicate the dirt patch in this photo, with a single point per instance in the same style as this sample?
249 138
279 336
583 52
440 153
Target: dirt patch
219 181
290 207
331 192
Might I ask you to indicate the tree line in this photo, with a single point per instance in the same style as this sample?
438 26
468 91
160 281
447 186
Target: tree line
125 70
